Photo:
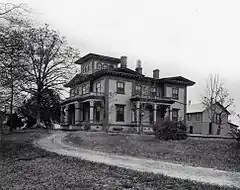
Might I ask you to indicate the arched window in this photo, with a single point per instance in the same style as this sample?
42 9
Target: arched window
99 66
88 67
105 66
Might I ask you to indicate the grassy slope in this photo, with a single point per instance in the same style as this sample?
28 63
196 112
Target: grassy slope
220 154
23 166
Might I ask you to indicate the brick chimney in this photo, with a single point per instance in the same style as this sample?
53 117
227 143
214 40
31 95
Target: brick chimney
156 73
139 67
123 61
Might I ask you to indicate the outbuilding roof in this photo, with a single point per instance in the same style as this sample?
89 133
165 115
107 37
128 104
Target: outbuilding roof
195 108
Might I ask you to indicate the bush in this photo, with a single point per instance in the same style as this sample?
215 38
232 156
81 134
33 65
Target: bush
235 133
171 130
87 127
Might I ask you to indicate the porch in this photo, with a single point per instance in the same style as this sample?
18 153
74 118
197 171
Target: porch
77 114
146 114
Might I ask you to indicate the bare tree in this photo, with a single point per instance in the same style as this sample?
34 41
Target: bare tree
216 96
48 60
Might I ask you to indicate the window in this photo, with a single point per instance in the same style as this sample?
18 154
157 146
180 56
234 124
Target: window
175 92
88 67
153 92
138 90
84 90
120 113
98 87
217 118
99 66
198 117
120 87
76 91
175 114
105 66
79 90
71 93
189 117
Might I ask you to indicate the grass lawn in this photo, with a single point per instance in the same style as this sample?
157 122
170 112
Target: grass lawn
215 153
23 166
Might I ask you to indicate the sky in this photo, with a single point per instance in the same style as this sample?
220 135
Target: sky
188 37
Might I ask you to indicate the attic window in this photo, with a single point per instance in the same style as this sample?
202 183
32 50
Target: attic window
99 66
105 66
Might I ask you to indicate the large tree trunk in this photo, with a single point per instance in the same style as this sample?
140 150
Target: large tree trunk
11 99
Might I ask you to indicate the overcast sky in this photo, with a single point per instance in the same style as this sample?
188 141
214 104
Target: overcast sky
189 38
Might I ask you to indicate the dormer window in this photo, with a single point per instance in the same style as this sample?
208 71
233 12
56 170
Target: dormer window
99 66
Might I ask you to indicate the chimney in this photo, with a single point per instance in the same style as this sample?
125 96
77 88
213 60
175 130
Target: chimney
123 61
139 67
156 73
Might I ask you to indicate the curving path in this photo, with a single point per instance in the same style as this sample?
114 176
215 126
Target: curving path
54 143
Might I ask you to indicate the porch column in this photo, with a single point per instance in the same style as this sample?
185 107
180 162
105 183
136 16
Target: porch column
66 115
91 107
81 112
154 113
170 113
77 112
138 113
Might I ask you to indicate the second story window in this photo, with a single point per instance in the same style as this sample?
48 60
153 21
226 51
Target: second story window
189 117
98 87
175 114
198 117
120 87
153 92
175 92
138 90
84 91
71 93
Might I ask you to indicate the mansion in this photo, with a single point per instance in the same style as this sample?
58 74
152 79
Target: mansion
106 94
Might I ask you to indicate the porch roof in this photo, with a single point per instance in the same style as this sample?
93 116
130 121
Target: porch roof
163 100
99 96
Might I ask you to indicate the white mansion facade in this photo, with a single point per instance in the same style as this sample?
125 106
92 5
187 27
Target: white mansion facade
107 94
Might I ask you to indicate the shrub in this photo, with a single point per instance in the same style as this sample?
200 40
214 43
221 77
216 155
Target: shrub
170 130
87 127
235 133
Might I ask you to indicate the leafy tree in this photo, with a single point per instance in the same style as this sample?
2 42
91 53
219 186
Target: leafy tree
48 60
216 93
11 66
49 108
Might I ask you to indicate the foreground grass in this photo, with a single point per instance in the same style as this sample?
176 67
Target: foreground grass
217 153
23 166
